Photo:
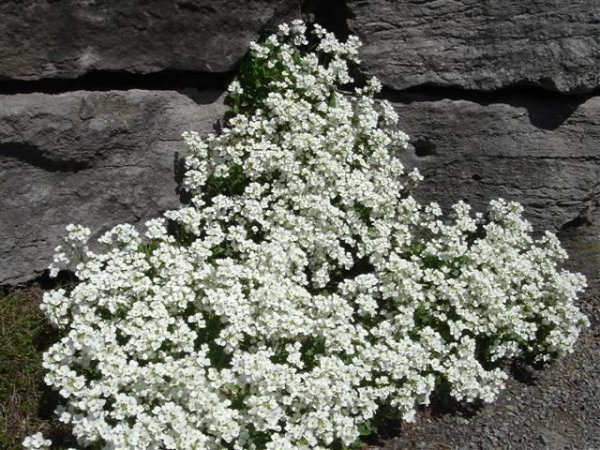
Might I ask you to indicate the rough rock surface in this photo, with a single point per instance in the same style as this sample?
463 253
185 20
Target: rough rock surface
95 158
541 154
581 239
481 45
69 38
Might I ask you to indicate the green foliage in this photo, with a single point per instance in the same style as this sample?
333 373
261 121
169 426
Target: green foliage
26 405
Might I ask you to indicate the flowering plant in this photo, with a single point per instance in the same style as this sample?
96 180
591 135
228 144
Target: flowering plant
303 289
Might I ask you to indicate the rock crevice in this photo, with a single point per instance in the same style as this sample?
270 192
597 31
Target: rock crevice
101 81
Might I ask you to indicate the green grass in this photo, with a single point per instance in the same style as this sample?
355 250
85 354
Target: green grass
26 404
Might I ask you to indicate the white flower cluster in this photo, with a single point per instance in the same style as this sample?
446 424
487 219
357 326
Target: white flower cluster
36 442
304 288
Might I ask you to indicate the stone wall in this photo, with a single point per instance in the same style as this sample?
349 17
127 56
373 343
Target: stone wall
500 99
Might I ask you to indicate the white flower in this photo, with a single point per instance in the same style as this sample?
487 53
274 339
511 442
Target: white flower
302 286
235 88
37 441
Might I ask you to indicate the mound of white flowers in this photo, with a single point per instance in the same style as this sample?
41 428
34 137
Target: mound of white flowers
303 289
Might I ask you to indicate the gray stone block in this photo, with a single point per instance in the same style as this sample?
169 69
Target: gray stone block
476 152
69 38
94 158
481 45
